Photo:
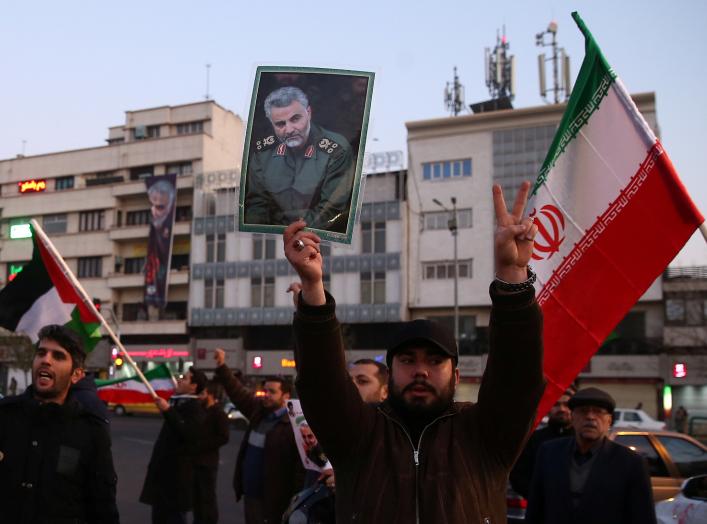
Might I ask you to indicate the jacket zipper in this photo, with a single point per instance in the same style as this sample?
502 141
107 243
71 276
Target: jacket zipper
416 454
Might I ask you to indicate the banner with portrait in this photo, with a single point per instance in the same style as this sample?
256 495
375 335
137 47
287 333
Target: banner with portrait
310 451
162 197
304 150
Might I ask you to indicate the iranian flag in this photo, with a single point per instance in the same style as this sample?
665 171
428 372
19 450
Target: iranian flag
44 293
131 390
611 214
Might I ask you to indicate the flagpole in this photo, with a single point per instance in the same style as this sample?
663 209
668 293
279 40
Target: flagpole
88 302
703 230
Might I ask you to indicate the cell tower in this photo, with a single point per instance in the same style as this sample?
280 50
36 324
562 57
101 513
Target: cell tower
500 69
561 87
454 95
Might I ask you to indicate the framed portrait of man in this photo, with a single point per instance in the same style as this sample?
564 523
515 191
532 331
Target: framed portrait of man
304 150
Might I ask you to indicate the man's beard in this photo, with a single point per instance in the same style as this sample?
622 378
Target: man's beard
420 410
298 140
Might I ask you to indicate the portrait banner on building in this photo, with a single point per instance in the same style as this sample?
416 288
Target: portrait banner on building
310 451
304 150
162 196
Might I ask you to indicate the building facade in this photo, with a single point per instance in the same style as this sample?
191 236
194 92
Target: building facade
93 205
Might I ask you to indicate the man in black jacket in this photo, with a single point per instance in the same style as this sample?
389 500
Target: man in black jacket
268 467
559 425
168 485
214 434
55 457
587 478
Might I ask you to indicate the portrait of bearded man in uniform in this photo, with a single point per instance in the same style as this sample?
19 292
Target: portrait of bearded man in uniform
296 167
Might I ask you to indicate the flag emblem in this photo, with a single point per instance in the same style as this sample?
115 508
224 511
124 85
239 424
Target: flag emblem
551 227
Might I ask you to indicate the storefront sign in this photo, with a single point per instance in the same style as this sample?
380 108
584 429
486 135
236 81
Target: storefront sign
32 186
160 353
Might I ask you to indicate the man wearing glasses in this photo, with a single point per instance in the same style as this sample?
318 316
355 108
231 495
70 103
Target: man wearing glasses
588 478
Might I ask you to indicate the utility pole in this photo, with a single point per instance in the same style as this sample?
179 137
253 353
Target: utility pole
454 230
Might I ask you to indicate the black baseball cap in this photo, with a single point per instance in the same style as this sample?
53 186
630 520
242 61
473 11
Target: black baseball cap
423 332
592 397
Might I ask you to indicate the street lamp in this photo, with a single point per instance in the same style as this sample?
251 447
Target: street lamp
452 225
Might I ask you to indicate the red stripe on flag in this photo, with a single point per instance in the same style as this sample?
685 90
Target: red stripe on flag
597 284
130 396
63 285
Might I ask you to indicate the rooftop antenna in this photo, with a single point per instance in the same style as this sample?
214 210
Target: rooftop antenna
454 95
207 96
24 145
559 59
500 69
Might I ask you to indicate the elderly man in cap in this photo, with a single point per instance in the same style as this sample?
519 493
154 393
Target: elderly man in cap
419 457
587 478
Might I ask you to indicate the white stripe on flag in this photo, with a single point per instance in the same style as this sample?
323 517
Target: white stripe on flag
47 309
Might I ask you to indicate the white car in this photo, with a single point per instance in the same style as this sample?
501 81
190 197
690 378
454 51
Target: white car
636 418
687 507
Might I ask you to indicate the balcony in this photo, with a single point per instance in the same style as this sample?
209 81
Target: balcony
154 327
127 233
123 281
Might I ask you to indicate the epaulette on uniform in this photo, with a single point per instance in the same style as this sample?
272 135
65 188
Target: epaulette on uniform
265 143
328 145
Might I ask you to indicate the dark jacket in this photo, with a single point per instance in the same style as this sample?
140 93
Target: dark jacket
618 489
458 470
284 473
214 433
522 472
168 483
85 393
56 465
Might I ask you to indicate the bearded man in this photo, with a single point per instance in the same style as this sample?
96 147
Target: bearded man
419 456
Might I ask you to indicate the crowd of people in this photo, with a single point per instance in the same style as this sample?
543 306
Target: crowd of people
402 450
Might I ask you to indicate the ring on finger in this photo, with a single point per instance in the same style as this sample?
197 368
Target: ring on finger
298 245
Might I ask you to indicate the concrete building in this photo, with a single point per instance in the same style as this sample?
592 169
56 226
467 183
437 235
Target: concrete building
461 158
93 205
238 297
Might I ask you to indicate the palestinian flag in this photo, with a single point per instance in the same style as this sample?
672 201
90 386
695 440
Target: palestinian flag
131 390
42 293
611 214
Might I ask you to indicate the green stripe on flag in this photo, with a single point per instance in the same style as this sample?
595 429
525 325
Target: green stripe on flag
90 332
593 83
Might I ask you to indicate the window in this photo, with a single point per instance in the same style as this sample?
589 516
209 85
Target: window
446 169
90 267
213 293
54 223
138 173
689 311
445 269
630 416
262 291
182 214
518 155
373 287
373 237
179 169
153 131
91 220
643 447
63 182
263 247
134 265
189 128
134 312
688 458
137 218
440 219
216 247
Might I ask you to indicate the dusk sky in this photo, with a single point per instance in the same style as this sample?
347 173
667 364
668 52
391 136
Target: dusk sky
71 68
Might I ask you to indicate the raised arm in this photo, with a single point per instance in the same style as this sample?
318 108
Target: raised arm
243 398
329 398
513 381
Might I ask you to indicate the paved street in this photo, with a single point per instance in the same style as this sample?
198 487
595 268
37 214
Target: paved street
133 438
